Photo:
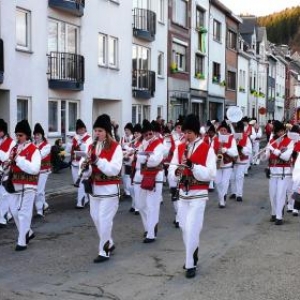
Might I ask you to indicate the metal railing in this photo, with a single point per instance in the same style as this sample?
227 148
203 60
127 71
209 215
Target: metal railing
66 67
144 19
143 80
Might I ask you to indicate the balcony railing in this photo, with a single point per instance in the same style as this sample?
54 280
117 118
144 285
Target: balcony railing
1 61
74 7
144 24
143 84
65 71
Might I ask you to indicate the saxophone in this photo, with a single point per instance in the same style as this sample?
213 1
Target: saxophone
220 156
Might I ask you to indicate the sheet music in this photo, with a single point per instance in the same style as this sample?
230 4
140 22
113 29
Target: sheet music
224 138
80 153
294 136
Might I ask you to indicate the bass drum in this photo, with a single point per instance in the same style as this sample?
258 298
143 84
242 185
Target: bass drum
234 114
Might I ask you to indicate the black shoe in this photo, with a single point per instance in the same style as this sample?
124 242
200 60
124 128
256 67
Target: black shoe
176 224
278 222
112 249
225 197
289 211
295 214
131 209
20 248
221 206
273 218
3 225
28 238
233 196
147 240
100 259
79 207
239 199
190 273
136 212
39 216
210 190
145 234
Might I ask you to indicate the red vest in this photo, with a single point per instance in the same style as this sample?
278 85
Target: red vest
243 143
76 146
249 130
151 172
295 152
217 145
275 161
20 176
198 157
6 144
98 177
172 149
46 161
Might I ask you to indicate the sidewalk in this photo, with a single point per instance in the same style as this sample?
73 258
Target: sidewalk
60 183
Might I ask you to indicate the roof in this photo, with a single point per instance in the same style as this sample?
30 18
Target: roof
248 25
260 33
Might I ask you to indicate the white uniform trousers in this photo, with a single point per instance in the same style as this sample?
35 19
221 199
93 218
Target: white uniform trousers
39 200
126 183
191 216
237 179
256 160
148 204
103 211
21 207
277 192
132 194
173 189
289 193
82 197
4 205
222 183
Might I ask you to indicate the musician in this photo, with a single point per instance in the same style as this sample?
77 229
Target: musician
45 149
255 138
226 150
248 129
25 163
278 152
135 146
80 142
148 181
244 147
295 130
193 183
126 170
174 141
6 144
104 169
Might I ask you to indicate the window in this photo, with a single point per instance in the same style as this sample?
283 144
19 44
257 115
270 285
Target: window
217 31
113 52
159 110
62 116
140 58
108 51
160 64
22 109
201 42
23 23
231 40
180 12
216 73
62 37
242 81
179 56
199 66
145 4
161 11
231 80
102 45
139 113
200 17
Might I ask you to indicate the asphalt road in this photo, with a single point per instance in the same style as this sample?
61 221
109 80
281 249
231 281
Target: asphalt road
242 255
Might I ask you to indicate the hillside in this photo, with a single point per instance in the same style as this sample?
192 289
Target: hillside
283 27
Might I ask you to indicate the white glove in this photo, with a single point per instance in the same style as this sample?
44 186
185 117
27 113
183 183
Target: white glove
276 152
224 150
142 159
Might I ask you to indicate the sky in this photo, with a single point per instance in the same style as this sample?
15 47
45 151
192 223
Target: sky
259 7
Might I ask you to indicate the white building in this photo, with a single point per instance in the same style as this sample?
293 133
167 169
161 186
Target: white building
67 59
280 88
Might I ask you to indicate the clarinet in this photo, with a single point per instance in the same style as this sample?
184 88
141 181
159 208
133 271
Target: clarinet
87 162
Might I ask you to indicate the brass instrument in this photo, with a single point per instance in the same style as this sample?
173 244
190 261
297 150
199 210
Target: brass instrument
86 163
220 156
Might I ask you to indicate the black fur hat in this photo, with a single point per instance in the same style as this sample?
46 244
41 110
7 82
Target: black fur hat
3 126
80 124
211 128
23 127
224 125
277 126
240 126
38 129
104 122
191 122
137 128
129 126
155 126
179 121
146 126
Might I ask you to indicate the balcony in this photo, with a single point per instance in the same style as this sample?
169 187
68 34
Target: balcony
74 7
1 61
65 71
143 84
144 24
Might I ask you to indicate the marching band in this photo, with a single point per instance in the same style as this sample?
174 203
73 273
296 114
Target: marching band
190 159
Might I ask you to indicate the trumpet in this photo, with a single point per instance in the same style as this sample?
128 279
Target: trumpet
86 163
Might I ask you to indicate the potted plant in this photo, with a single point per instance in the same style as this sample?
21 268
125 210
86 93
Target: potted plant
202 29
200 75
223 83
216 79
174 67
